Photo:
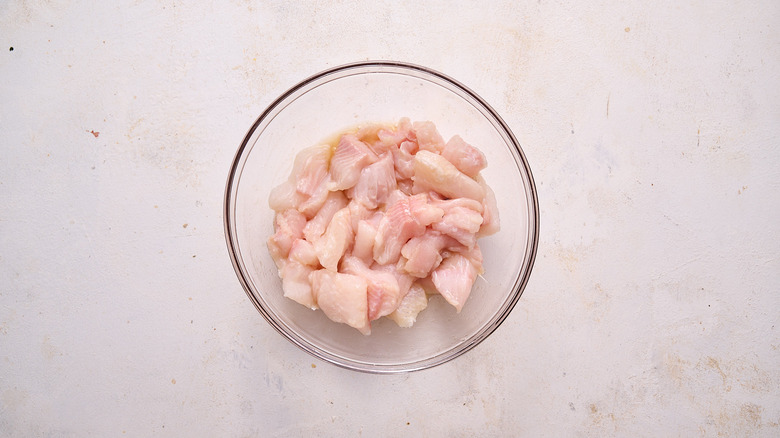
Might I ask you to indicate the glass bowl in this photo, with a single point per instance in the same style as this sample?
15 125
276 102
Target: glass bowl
345 97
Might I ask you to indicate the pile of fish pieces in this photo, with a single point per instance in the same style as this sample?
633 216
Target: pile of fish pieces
382 221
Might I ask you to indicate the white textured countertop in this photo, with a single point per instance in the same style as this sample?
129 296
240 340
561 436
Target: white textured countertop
653 133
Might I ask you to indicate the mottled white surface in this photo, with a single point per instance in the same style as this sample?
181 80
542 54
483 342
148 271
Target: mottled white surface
652 131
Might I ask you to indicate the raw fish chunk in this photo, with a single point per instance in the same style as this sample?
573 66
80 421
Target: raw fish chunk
289 227
404 219
342 297
403 159
383 291
394 137
357 213
446 204
490 220
376 183
319 223
349 159
428 137
309 207
454 279
427 285
295 283
461 224
464 156
364 241
413 303
310 169
285 196
409 147
368 134
396 196
336 241
406 186
474 255
304 253
434 172
422 254
405 281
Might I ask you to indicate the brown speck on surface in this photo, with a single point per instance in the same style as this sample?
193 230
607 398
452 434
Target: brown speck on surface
184 226
628 29
190 298
407 423
95 133
173 381
194 255
156 206
313 366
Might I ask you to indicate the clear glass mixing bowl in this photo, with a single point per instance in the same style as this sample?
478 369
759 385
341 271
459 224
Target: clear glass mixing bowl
342 98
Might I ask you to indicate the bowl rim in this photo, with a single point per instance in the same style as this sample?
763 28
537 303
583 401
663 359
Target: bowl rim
459 349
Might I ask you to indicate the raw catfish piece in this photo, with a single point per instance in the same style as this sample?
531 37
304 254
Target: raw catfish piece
295 283
317 225
422 254
428 137
461 224
369 134
394 137
364 241
403 159
311 205
474 255
406 218
490 220
304 253
336 241
384 294
445 204
285 196
413 303
464 156
434 172
357 213
342 297
310 169
405 281
289 227
349 159
454 278
375 184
